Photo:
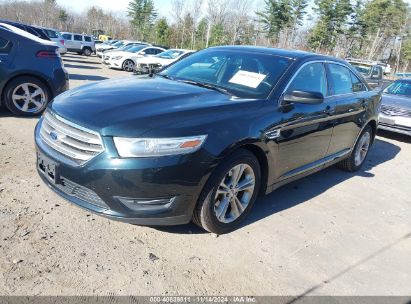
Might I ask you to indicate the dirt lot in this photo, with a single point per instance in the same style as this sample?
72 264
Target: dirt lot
332 233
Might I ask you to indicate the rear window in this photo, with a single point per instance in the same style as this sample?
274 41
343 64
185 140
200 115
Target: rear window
67 36
87 38
51 33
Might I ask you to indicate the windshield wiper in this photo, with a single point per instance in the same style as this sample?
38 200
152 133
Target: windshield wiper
165 76
207 86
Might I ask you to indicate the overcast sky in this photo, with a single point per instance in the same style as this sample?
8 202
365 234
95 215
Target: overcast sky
163 6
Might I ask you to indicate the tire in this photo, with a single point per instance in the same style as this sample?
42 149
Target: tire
205 213
364 142
32 96
87 52
128 65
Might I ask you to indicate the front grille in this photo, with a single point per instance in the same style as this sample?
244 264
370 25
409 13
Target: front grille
395 111
70 140
82 193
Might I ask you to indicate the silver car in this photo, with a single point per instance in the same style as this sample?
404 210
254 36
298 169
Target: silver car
79 43
56 37
395 114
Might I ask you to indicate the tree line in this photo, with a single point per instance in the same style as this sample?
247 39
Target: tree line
370 29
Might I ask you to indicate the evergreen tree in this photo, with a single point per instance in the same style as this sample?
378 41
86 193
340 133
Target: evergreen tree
332 17
143 15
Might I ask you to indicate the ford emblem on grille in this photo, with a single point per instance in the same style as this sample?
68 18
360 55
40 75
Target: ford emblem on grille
53 135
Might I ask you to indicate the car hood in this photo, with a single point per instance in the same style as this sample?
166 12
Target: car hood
133 106
396 101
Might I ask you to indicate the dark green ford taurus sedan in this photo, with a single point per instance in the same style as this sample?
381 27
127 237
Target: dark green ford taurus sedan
203 138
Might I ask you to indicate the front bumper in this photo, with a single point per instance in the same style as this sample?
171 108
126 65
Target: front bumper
104 183
397 124
115 64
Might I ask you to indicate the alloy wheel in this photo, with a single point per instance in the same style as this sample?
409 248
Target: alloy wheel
29 98
362 148
234 193
128 66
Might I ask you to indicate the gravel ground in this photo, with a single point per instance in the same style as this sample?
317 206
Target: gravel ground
332 233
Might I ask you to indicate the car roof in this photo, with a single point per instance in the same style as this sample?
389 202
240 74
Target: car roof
25 34
291 54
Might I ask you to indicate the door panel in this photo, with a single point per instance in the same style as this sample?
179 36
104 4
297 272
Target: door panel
304 136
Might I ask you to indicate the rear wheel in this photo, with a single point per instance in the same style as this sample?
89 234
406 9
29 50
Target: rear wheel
359 153
87 52
230 193
128 65
26 96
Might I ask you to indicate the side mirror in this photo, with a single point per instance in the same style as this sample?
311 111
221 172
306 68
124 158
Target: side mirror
305 97
143 53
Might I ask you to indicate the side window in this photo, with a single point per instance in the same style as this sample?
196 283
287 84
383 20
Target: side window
78 38
312 78
87 38
341 79
150 51
376 72
67 36
5 45
357 85
158 51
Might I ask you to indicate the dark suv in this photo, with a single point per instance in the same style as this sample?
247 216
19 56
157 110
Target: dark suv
31 71
200 140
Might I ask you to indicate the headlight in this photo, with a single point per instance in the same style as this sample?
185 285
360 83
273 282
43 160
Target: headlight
150 147
117 57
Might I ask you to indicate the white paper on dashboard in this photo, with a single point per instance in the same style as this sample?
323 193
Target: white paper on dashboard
248 79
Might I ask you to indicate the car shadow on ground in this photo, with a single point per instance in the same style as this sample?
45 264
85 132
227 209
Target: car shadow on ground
307 188
78 66
87 77
6 113
395 136
79 60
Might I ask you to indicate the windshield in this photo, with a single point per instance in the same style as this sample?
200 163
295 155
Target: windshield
136 48
399 87
118 44
170 54
362 68
241 73
125 47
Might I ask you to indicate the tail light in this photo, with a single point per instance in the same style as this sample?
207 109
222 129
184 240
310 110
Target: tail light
62 42
48 54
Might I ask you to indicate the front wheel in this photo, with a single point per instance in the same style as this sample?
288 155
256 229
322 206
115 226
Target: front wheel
128 65
359 153
230 193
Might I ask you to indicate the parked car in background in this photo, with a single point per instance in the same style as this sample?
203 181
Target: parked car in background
372 72
56 36
395 114
106 53
120 45
106 45
201 141
154 63
125 59
36 31
79 43
31 71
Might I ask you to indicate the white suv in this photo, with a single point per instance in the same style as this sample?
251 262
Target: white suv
79 43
